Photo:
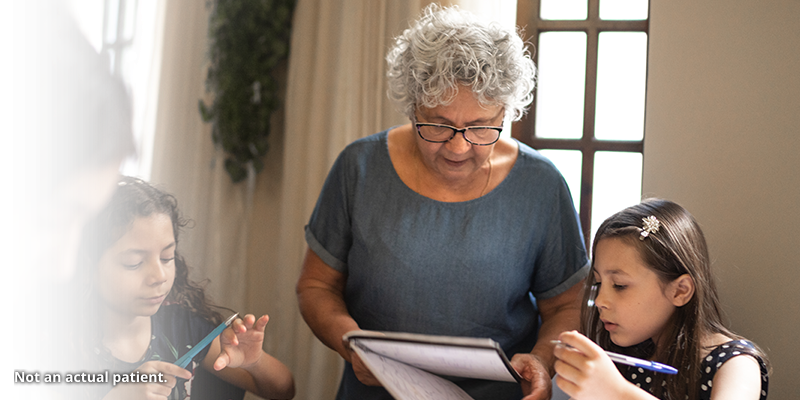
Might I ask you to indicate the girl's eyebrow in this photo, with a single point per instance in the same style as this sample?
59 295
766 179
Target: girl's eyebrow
134 251
140 251
612 272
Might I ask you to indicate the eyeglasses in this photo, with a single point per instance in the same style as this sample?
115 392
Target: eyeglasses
477 135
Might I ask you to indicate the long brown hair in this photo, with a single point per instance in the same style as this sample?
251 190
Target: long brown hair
677 248
135 198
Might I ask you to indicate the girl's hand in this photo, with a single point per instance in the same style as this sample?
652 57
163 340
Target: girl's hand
241 343
236 356
586 372
150 390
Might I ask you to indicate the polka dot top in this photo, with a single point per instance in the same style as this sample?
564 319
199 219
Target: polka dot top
710 365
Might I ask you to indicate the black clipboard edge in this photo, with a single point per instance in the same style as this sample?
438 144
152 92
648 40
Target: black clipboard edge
456 341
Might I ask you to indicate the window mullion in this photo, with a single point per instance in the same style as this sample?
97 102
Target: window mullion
587 141
119 45
587 186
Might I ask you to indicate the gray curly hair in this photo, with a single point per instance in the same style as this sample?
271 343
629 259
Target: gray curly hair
448 47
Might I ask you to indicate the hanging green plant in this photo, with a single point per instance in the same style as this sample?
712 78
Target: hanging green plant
248 40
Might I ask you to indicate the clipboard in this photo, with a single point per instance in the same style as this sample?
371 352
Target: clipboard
411 366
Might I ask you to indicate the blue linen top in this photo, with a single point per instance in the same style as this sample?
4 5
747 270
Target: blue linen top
414 264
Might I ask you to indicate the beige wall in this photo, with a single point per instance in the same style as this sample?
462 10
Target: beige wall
722 127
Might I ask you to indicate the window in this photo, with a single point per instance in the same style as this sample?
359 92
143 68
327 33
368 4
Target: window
118 29
130 37
128 33
588 112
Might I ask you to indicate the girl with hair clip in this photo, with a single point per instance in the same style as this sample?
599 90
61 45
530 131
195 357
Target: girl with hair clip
656 299
147 313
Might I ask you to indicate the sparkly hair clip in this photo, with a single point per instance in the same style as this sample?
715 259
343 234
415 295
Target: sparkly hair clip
651 225
123 183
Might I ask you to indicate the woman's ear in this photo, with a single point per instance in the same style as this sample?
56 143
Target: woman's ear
681 290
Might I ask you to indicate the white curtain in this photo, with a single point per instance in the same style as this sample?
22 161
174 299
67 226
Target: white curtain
336 94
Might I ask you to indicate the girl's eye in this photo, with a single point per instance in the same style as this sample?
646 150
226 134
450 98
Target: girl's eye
132 266
166 260
619 287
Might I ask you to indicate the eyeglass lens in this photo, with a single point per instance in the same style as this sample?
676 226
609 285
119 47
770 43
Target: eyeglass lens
478 135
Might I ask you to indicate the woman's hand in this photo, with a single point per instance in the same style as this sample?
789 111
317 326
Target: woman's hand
536 384
150 390
241 343
362 372
586 372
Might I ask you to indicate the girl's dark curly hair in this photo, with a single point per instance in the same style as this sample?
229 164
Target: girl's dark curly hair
135 198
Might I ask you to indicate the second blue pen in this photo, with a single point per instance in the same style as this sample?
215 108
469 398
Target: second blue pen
632 361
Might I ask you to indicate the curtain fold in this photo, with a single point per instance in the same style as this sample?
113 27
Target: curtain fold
336 94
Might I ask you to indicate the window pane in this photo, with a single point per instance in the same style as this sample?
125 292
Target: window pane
563 9
112 60
112 16
623 9
569 163
130 19
561 85
621 78
617 184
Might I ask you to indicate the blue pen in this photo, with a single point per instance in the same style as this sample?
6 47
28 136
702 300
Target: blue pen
184 361
632 361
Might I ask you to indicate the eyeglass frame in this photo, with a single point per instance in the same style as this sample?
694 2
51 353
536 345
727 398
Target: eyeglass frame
455 130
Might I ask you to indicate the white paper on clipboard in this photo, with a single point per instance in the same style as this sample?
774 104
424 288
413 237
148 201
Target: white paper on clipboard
409 363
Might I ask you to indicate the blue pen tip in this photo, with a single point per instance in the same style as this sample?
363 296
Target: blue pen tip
664 368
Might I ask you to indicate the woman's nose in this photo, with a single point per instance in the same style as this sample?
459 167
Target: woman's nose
458 144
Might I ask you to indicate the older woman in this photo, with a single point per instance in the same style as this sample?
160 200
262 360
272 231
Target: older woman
441 226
